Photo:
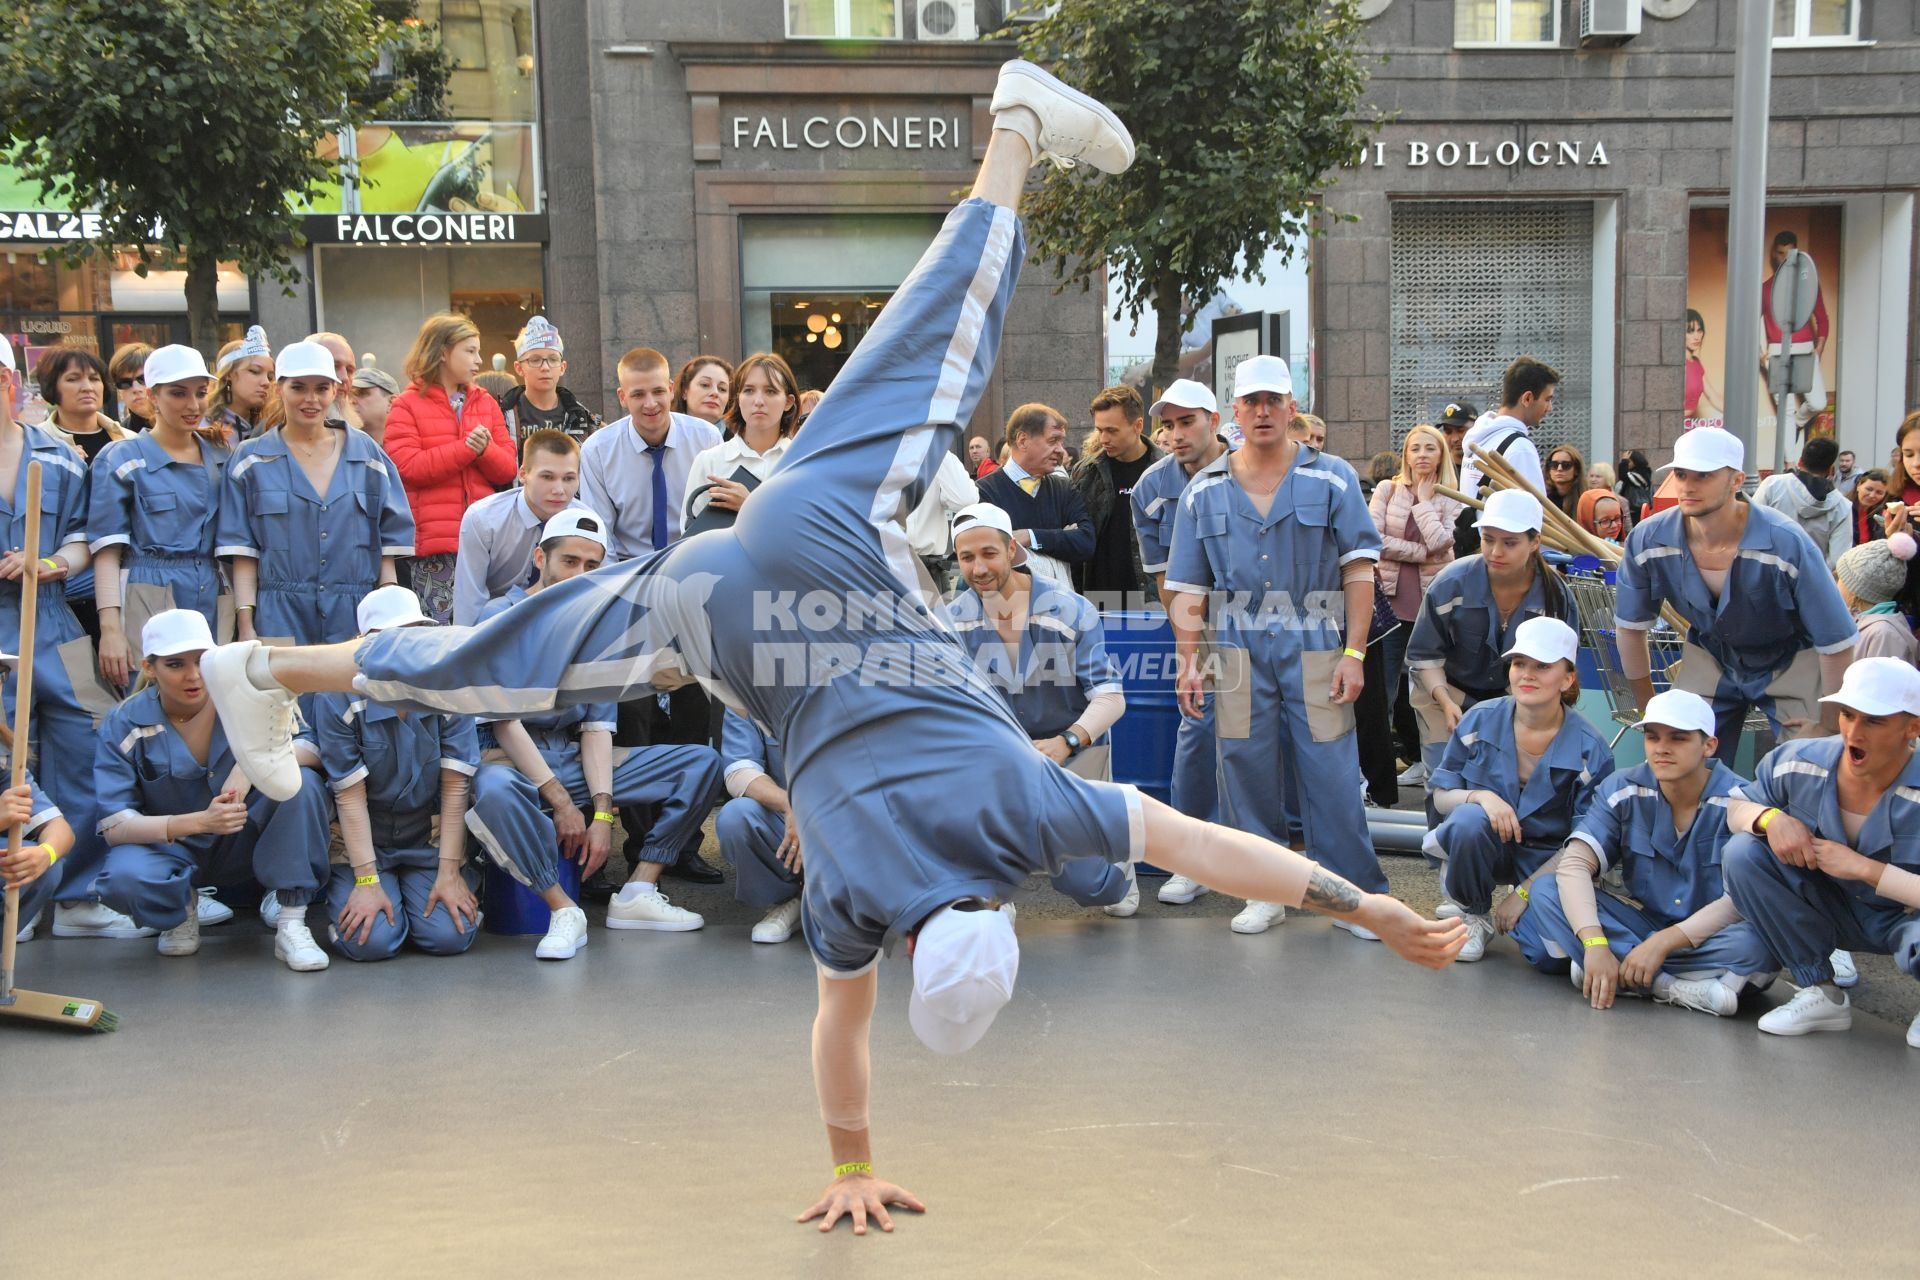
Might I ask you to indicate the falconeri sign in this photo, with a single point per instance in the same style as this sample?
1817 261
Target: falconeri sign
1510 153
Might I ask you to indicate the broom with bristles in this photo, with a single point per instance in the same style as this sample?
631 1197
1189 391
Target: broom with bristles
34 1006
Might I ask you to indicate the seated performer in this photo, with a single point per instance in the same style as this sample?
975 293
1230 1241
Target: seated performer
757 830
806 616
1827 847
1042 646
1516 777
1674 933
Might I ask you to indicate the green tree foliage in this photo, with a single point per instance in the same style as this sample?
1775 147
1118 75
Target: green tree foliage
1240 109
188 124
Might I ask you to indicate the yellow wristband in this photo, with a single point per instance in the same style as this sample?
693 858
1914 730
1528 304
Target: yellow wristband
1360 654
1761 823
602 816
51 563
361 882
852 1166
53 854
1599 940
1522 891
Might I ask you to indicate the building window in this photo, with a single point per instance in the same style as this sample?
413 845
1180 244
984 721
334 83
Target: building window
1523 24
843 19
1816 22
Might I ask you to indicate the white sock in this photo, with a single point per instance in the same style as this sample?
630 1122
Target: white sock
259 675
291 914
637 889
1021 121
1833 993
1734 982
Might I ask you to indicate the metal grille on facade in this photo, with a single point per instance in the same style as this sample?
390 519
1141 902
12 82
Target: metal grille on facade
1476 284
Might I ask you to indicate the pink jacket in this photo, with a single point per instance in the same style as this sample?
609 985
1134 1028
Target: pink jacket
1391 505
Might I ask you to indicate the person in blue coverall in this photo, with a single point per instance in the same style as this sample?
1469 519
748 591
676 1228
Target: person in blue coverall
805 616
45 838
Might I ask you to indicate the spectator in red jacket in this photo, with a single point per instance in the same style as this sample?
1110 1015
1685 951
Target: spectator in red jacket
449 440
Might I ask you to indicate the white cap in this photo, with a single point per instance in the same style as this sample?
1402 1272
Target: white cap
9 660
539 335
304 360
1708 449
175 631
1262 373
1879 687
385 608
964 966
576 522
7 358
1185 394
1512 510
254 345
174 363
982 515
1678 709
1545 640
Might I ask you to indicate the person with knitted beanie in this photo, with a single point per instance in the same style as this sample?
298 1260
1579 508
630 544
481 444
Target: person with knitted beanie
1870 576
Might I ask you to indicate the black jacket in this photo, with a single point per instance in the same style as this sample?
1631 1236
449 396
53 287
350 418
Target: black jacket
1093 477
579 422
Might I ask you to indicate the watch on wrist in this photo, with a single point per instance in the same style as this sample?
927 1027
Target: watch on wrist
1072 740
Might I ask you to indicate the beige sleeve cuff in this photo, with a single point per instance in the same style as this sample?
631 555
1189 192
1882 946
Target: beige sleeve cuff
1709 920
1579 864
1900 885
1103 709
1742 814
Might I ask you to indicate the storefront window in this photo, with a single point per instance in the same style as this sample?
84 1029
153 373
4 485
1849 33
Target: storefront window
377 297
843 19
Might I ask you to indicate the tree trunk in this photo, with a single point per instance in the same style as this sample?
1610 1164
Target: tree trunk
203 302
1166 341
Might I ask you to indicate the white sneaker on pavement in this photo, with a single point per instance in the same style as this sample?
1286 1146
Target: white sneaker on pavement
1128 905
1258 917
1707 995
1448 910
778 924
1359 931
210 910
1073 127
94 920
1913 1033
1808 1011
651 911
259 723
1845 972
28 928
1579 977
1414 775
183 939
566 934
1178 891
1480 931
270 910
293 942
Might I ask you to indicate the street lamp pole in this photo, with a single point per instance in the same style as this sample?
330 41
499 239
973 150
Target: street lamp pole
1752 78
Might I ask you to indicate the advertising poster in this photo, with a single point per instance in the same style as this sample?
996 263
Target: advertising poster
1815 231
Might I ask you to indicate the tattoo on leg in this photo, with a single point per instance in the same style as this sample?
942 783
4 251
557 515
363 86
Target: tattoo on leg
1329 892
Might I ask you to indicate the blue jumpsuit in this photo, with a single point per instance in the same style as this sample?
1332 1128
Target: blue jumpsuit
68 697
683 780
1481 757
163 515
806 616
749 832
1156 502
1806 915
1459 628
1749 647
1668 875
1062 666
400 758
143 767
319 554
1278 624
34 898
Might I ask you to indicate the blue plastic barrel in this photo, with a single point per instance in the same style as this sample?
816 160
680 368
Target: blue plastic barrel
1141 645
515 910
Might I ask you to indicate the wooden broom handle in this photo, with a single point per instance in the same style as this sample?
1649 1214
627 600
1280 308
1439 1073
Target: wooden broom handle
22 704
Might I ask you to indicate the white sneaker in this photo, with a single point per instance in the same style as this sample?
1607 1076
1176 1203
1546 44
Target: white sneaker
1414 775
1128 905
1178 891
1072 126
270 910
651 911
1579 977
1809 1010
1913 1033
1480 931
94 920
1708 995
1845 972
1448 910
293 942
183 939
777 925
210 910
1359 931
28 929
1258 917
259 724
566 934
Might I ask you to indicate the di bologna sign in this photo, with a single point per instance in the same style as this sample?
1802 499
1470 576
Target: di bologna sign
1539 153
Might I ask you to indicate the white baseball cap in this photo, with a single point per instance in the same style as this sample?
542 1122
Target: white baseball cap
174 363
1879 687
1707 449
304 360
982 515
576 522
1262 373
1185 394
964 966
9 660
1513 510
388 607
7 358
1678 709
1545 640
175 631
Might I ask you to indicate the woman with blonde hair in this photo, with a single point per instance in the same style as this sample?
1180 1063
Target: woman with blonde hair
1416 537
449 440
242 381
